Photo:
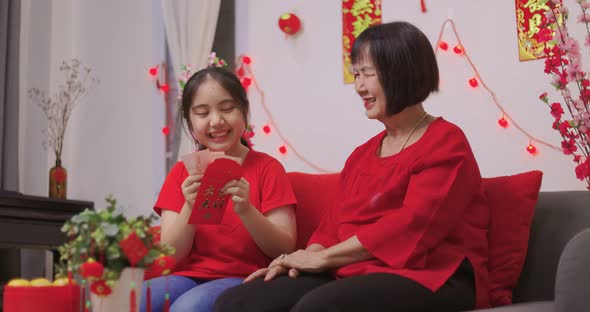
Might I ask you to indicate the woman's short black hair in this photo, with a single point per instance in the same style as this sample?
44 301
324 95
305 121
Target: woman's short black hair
404 60
228 80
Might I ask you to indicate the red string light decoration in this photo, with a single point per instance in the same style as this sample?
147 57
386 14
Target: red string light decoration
153 71
423 6
531 148
503 122
159 74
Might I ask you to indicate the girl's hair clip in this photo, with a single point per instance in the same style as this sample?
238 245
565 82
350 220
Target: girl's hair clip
215 61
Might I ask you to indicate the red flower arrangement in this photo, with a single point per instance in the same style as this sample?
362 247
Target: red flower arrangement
104 242
564 64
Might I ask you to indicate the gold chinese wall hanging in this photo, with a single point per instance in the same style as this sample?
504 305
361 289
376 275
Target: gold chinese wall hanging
357 15
529 14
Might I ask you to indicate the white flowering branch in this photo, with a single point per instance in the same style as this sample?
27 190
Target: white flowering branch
58 107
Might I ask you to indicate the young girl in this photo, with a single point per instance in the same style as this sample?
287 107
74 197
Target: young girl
259 219
409 232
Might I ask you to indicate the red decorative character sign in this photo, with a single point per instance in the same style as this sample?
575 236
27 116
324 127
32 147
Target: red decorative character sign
133 248
529 15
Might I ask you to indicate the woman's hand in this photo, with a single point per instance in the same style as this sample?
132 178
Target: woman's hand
293 264
190 188
272 271
303 261
240 194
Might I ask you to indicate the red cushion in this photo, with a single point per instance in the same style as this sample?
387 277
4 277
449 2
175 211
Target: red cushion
512 201
315 193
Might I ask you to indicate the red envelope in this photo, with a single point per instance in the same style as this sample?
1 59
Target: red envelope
210 203
197 162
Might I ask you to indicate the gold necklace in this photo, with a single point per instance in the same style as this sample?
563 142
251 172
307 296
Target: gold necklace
412 132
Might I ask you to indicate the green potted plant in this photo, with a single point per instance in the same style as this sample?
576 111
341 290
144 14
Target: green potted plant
105 249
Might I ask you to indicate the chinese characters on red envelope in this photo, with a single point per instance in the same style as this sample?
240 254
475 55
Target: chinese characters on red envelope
211 201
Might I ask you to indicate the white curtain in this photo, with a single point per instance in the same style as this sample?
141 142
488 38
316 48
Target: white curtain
190 29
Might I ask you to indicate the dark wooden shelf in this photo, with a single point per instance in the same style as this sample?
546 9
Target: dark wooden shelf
33 221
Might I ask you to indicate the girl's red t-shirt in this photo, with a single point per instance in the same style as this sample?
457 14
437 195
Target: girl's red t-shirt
227 249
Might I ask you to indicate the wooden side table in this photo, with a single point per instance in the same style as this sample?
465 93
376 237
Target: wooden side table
31 222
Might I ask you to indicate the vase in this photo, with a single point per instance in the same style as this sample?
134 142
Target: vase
58 181
120 297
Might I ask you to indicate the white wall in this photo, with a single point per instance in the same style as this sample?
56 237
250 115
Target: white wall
113 142
324 118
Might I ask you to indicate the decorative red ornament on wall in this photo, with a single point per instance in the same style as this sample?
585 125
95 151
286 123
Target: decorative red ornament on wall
289 23
153 71
283 149
531 149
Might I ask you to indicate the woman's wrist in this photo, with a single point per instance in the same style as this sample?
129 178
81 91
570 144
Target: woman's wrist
325 258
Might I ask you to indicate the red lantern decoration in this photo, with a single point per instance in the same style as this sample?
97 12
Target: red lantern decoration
154 71
473 82
246 82
100 288
503 122
165 88
283 149
458 49
266 129
531 149
91 269
443 45
240 72
289 23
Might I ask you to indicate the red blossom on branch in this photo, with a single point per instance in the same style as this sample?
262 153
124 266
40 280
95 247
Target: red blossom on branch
556 110
564 65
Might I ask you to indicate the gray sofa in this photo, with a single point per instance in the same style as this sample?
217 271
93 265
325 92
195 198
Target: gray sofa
556 273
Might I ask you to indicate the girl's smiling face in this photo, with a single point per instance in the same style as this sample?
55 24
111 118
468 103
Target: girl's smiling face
216 119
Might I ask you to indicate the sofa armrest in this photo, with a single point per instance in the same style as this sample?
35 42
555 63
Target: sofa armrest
571 284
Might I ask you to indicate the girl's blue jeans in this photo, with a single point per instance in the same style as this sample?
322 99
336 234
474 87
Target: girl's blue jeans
186 294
